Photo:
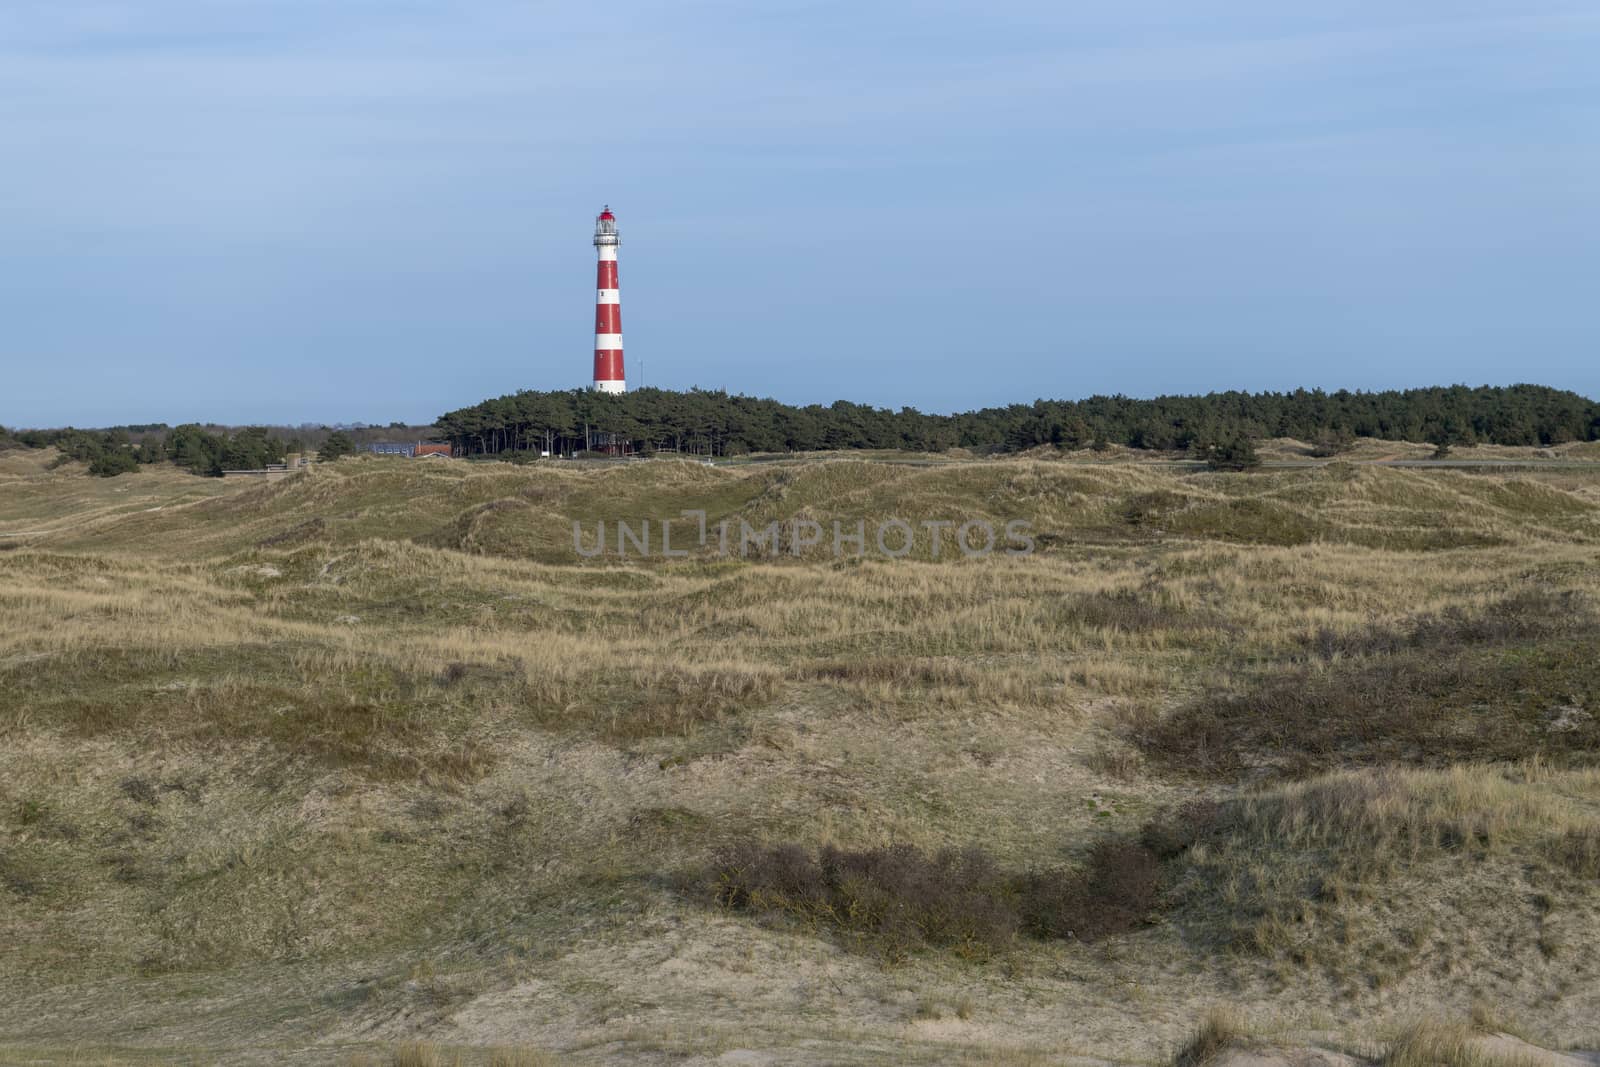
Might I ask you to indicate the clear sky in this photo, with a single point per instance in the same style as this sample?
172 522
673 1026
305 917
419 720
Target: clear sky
308 210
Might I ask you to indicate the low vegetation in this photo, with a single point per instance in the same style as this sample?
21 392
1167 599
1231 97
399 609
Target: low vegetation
1225 1036
428 1054
367 762
1358 873
1218 428
898 899
1220 1029
1506 681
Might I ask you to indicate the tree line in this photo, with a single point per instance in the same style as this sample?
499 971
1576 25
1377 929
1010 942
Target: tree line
1216 426
206 450
713 422
122 449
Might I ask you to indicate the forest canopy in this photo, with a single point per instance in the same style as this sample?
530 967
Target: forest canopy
717 423
1217 426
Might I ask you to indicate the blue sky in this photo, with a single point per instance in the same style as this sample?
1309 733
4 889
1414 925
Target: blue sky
303 210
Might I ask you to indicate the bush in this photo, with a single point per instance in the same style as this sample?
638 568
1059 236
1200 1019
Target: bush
899 900
894 900
110 464
338 444
1235 452
1114 894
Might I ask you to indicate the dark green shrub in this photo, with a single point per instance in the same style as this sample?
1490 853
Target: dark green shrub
1234 452
338 444
110 464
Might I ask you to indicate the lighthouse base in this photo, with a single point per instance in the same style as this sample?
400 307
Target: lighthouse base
616 385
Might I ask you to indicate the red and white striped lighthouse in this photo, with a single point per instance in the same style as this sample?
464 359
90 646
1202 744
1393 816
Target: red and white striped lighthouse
608 376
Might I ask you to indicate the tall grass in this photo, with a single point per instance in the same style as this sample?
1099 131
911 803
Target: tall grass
378 713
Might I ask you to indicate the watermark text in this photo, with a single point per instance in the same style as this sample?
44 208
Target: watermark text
890 539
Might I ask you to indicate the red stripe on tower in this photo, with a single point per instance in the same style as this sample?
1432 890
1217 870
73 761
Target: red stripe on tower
608 377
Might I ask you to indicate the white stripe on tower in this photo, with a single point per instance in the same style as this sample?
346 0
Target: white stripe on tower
608 377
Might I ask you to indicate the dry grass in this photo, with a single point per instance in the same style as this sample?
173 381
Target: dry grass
1424 1042
1434 1042
267 747
428 1054
1360 873
1221 1028
1501 681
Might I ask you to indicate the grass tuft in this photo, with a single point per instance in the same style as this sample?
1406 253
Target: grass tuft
1220 1028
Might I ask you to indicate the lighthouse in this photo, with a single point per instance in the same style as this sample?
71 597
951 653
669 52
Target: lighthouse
608 376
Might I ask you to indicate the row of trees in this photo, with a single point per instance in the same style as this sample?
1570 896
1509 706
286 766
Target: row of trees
107 452
715 423
203 451
191 446
1217 426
